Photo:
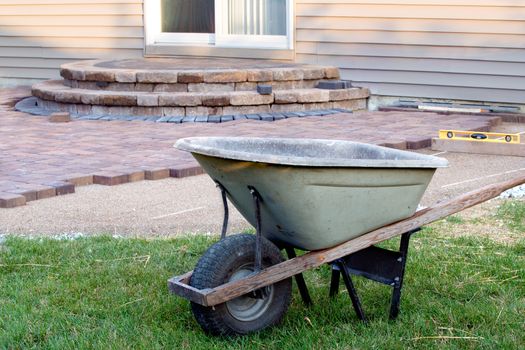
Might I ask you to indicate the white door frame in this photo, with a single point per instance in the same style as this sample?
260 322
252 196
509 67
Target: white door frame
155 36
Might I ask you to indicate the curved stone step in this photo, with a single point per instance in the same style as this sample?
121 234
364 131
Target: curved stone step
80 110
54 96
54 90
192 87
205 74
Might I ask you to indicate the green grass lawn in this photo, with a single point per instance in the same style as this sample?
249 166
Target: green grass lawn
106 293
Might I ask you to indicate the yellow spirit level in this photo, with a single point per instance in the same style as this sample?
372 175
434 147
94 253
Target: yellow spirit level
479 136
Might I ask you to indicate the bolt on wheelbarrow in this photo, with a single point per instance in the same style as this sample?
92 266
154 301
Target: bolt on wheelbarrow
334 199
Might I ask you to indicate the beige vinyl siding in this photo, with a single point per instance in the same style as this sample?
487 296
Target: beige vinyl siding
452 49
36 36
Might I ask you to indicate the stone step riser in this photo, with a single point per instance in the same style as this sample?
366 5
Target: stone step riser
190 87
54 91
83 110
89 71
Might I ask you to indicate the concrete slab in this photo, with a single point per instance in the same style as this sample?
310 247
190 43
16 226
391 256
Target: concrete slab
478 147
170 207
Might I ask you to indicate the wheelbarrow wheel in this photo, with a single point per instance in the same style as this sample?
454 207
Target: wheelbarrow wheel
231 259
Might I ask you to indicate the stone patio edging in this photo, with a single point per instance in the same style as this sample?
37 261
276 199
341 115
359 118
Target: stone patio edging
30 105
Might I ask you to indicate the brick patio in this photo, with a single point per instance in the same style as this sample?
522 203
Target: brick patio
40 159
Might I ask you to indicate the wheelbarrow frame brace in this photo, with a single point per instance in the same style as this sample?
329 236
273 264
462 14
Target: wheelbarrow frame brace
358 256
374 263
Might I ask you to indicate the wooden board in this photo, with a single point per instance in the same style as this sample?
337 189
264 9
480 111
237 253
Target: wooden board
289 268
504 149
180 285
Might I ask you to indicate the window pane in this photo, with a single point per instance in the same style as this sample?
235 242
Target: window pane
257 17
188 16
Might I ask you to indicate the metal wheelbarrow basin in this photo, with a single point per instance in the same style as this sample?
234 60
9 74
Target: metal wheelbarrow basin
315 194
308 194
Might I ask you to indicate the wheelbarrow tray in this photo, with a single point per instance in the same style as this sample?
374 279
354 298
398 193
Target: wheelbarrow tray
315 194
213 296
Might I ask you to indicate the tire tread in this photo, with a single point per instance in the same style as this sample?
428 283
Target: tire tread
211 271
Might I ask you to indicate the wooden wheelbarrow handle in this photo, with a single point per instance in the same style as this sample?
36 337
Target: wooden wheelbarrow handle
317 258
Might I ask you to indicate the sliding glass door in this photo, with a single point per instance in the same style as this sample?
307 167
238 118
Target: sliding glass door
188 16
259 23
256 17
224 23
184 21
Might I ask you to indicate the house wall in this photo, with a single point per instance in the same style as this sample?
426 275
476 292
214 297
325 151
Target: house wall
451 49
37 36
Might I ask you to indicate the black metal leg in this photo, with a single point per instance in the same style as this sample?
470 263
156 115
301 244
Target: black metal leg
377 264
398 281
351 291
226 211
396 299
258 233
334 282
299 279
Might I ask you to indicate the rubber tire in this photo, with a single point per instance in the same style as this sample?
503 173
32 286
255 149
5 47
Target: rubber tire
216 266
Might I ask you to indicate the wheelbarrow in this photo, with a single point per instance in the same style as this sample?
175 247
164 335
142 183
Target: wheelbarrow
334 199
